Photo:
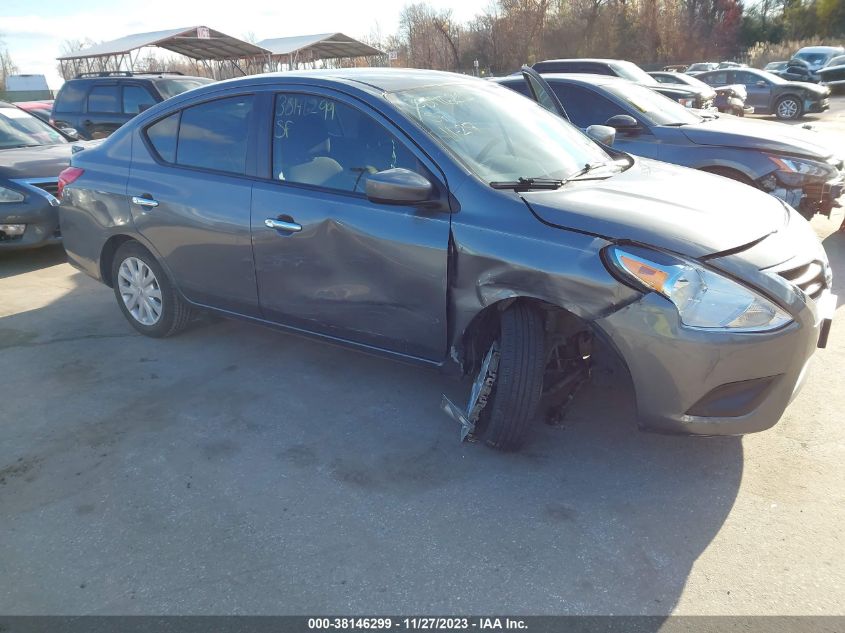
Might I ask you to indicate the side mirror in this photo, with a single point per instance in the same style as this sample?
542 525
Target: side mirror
623 123
70 132
604 134
761 84
398 186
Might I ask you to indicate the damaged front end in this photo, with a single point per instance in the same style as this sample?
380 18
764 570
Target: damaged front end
568 352
809 186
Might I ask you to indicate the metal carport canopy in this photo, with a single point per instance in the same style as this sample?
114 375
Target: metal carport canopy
185 41
321 46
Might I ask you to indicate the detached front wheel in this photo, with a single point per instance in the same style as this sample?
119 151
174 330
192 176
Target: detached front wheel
144 293
518 386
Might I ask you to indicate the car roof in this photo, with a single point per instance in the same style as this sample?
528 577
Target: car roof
586 78
596 60
819 49
151 75
376 80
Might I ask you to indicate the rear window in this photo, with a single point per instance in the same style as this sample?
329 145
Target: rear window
162 136
172 87
136 99
70 97
104 99
210 135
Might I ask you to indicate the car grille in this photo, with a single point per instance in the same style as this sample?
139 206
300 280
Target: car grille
809 277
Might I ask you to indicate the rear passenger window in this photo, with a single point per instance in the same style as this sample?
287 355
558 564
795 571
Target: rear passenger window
136 99
104 99
162 136
716 79
214 135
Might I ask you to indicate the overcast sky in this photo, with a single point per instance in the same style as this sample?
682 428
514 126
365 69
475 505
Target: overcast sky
33 31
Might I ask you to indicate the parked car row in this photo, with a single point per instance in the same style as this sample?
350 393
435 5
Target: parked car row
35 137
792 164
445 220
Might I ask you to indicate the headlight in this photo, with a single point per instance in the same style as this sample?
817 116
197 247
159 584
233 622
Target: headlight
10 195
794 172
704 299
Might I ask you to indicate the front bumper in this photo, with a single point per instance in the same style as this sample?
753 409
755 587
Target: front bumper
38 211
709 383
816 106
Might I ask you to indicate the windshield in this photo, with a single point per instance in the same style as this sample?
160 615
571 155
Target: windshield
632 72
814 59
497 133
21 129
652 106
172 87
707 66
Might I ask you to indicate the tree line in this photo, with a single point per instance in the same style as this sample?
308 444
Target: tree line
512 32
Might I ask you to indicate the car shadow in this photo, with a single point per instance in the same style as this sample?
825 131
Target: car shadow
16 262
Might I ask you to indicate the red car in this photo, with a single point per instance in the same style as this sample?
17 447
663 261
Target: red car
41 109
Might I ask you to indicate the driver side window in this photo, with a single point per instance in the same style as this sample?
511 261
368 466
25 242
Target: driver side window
326 143
584 106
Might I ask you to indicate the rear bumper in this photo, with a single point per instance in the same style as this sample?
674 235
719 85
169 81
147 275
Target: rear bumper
709 383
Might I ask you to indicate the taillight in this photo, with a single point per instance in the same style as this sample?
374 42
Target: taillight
68 176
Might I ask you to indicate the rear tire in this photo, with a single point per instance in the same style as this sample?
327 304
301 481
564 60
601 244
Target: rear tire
164 312
519 382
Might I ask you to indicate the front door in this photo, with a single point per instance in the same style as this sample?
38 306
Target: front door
759 90
327 259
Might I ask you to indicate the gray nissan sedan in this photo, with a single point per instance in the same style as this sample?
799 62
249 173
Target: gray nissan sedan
450 222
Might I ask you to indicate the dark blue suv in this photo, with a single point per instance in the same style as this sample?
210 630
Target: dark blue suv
96 104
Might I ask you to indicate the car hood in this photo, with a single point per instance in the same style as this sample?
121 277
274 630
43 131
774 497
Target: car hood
682 210
819 91
43 161
760 135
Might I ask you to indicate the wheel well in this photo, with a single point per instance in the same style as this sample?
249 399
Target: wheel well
480 333
790 94
729 172
107 256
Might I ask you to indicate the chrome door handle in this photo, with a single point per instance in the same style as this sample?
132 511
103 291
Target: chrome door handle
144 202
281 225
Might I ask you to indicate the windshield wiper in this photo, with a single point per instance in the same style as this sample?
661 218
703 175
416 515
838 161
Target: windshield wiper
524 184
586 169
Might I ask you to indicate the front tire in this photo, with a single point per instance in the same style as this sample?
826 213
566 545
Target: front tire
519 381
147 298
789 108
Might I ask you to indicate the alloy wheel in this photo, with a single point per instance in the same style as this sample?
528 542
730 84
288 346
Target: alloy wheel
788 109
140 291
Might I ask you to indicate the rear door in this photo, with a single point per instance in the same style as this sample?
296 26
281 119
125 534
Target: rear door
103 110
327 259
190 190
